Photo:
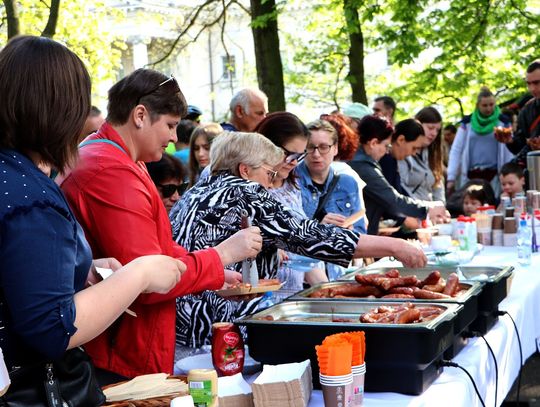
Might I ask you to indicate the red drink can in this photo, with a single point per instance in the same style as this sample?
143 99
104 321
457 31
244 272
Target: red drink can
227 349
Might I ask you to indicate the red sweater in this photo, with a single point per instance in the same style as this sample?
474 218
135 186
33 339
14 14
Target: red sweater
122 215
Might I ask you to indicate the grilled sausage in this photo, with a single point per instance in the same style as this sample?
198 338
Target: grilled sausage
354 290
403 296
428 295
452 285
401 290
431 279
393 273
437 288
408 316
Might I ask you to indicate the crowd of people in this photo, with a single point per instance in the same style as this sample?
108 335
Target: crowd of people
170 225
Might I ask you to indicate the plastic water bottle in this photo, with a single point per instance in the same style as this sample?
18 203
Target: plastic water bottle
524 242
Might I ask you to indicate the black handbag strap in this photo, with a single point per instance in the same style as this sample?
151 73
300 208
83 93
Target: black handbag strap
324 198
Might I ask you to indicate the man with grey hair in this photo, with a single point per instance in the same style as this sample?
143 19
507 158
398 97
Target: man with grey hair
248 107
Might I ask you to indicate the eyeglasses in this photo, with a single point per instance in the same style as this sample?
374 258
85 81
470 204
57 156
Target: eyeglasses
323 148
169 79
291 156
271 173
168 190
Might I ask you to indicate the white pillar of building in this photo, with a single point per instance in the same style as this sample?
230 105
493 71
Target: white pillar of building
140 53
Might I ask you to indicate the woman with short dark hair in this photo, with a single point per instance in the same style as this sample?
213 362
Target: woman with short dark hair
123 216
377 138
45 260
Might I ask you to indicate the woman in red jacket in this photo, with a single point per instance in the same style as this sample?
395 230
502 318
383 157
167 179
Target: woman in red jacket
122 215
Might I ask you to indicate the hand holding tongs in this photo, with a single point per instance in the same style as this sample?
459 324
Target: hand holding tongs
250 274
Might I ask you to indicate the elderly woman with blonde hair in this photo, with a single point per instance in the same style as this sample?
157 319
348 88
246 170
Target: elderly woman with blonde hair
243 167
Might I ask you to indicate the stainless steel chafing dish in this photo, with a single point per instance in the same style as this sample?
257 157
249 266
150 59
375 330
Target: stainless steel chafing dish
401 358
493 281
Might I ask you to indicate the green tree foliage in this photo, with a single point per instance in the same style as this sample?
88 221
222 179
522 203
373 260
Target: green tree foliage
319 72
443 52
438 52
85 27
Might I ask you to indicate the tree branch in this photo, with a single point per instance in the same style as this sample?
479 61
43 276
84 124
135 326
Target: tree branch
191 23
245 9
336 85
458 100
482 26
523 13
50 28
12 18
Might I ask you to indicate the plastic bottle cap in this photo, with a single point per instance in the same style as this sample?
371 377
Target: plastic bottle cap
523 222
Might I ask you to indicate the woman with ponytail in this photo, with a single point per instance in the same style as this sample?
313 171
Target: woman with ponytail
475 153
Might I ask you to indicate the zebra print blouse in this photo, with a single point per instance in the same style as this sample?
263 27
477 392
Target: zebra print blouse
210 212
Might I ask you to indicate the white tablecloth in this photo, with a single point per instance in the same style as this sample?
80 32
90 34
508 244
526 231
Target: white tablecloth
453 387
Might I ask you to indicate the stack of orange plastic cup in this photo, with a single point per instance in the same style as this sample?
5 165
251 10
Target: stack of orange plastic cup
342 368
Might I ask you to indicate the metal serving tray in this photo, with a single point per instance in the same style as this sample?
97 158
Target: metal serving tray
469 299
400 358
493 280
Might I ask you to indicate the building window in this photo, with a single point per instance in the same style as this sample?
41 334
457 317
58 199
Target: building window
229 67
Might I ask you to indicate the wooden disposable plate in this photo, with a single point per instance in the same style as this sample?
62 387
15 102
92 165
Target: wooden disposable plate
151 402
246 289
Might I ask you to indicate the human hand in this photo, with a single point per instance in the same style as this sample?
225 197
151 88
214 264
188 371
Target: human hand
160 273
106 263
438 213
503 134
534 143
409 254
244 244
450 187
333 219
232 277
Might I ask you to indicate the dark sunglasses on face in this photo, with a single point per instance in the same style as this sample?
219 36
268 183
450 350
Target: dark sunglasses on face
169 79
168 190
291 156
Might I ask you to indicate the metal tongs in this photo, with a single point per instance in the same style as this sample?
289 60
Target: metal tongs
250 274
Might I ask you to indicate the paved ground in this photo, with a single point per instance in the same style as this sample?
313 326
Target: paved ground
529 394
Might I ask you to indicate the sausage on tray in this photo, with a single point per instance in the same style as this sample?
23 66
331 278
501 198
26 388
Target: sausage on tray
401 290
393 273
431 279
402 296
437 287
407 316
428 295
353 290
452 285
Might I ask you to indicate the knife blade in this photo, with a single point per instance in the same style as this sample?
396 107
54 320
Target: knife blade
250 274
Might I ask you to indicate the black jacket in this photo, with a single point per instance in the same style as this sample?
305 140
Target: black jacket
525 119
380 197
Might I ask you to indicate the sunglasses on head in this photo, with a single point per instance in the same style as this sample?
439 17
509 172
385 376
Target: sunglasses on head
169 79
291 156
168 190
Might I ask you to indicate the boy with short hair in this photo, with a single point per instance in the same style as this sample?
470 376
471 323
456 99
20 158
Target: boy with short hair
512 179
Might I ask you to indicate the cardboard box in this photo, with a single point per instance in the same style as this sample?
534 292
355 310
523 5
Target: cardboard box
288 385
234 391
238 400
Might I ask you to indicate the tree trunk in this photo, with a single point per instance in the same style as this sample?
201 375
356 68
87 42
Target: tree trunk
356 52
50 28
267 57
12 18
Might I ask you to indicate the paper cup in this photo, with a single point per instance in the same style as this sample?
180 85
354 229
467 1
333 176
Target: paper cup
359 375
337 390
